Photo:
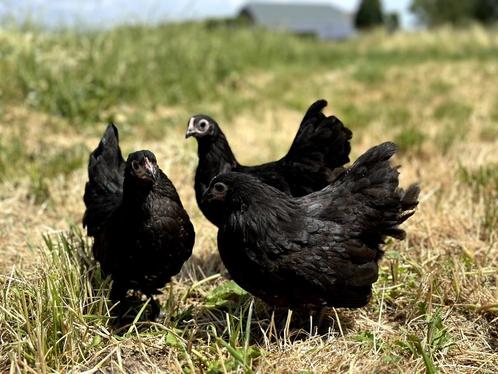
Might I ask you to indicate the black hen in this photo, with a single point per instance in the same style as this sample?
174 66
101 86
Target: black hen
319 150
142 233
321 249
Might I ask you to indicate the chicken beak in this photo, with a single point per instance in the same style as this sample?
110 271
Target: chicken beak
150 169
191 131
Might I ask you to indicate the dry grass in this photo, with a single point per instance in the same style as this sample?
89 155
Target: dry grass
435 306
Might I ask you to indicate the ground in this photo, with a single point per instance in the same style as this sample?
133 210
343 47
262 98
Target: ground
435 305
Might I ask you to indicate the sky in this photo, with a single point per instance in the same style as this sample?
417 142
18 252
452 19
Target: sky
107 13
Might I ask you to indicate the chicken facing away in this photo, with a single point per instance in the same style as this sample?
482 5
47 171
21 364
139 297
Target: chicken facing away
319 150
142 233
318 250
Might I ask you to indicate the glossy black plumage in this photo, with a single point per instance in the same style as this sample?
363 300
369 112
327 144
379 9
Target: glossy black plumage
319 150
142 233
321 249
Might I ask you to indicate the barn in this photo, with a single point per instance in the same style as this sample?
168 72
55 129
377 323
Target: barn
323 20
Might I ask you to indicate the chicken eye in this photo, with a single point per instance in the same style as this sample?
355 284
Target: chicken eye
135 166
203 124
220 187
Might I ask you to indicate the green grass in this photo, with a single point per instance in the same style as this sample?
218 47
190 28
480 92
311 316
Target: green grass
484 185
410 139
51 318
80 75
39 166
454 111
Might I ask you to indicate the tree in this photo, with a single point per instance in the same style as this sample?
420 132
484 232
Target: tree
369 14
392 21
486 11
456 12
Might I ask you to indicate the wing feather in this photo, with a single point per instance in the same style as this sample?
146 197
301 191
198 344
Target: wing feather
104 189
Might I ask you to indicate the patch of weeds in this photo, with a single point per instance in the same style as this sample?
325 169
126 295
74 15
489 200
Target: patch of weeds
226 294
494 113
440 87
45 168
365 338
397 117
484 179
484 184
437 340
391 358
12 156
453 110
410 139
450 134
236 342
174 338
153 130
369 341
370 75
135 119
56 316
416 347
38 191
64 162
232 107
300 104
393 258
400 274
356 117
438 336
489 133
490 220
44 164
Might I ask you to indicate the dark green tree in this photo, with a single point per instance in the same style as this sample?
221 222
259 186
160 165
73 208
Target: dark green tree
369 14
456 12
391 21
437 12
486 11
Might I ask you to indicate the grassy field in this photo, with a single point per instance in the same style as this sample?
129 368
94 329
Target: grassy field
435 306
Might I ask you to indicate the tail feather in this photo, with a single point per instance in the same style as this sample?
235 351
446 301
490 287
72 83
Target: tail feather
104 188
410 197
321 142
379 205
314 112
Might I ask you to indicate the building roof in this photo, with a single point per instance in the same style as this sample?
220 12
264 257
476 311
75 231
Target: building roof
323 20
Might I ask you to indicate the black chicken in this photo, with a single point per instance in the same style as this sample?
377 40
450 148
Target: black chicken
317 250
319 150
142 233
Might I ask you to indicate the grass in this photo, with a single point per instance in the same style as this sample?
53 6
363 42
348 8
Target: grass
484 184
409 139
435 305
55 307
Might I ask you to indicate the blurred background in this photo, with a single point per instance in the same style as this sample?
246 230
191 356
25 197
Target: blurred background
163 53
78 60
108 13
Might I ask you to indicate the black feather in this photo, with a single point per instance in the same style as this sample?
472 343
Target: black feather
104 188
320 249
142 233
319 150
